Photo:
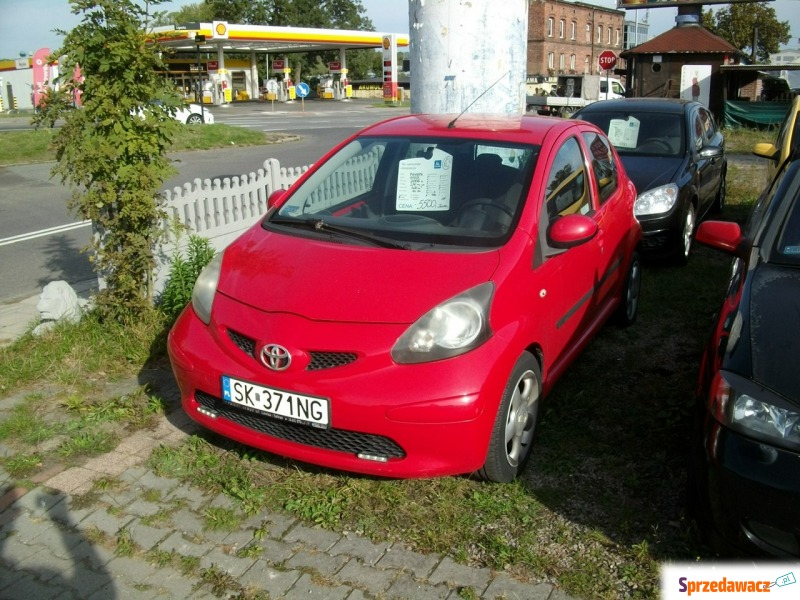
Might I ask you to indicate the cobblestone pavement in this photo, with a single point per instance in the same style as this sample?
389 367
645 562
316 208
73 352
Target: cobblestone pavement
57 541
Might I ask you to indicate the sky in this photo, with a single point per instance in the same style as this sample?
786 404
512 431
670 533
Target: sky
27 25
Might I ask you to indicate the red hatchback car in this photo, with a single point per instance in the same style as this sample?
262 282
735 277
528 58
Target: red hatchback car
404 307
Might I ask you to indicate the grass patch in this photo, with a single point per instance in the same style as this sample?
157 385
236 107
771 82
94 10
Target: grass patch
35 145
740 140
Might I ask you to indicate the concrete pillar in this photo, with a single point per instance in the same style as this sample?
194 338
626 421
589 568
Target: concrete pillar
468 51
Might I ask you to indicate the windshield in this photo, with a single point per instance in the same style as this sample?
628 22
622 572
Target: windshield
647 133
462 192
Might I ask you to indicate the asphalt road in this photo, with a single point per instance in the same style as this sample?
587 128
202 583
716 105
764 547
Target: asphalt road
40 241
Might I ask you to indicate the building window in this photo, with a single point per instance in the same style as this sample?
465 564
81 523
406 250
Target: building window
609 36
550 24
561 25
586 64
561 62
588 32
551 60
572 27
572 62
599 34
616 37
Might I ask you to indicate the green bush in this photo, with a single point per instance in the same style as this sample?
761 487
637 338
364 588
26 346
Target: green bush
183 273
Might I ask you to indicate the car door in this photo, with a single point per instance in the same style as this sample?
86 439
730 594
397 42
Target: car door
709 170
566 281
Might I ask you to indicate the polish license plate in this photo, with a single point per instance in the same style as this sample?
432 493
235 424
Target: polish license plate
278 403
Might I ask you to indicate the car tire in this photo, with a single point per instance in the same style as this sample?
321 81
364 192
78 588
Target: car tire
515 424
567 112
719 199
688 224
194 119
629 298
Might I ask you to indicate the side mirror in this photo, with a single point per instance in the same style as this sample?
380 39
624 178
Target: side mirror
766 150
275 198
721 235
711 152
571 230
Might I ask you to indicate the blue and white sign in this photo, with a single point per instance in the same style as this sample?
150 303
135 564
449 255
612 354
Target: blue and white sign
302 89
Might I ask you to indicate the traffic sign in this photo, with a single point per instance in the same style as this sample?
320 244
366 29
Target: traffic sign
607 60
302 89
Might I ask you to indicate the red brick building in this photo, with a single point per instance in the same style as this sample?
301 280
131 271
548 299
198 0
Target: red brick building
567 37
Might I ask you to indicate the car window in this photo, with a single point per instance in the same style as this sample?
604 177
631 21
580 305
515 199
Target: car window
604 166
707 122
566 191
639 132
788 245
698 131
449 191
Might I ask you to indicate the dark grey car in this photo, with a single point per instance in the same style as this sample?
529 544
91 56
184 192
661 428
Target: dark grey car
674 153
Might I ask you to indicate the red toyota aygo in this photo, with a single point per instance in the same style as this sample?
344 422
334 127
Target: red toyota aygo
405 306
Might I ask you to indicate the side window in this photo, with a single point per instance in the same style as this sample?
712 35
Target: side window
604 167
567 191
698 133
708 125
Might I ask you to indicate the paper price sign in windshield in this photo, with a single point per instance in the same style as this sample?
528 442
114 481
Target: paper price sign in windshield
424 183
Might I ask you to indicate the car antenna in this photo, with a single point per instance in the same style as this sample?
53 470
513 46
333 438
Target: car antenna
453 122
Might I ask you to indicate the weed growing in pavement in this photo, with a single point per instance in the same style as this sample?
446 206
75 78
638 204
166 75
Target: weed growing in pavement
218 518
124 543
88 443
22 465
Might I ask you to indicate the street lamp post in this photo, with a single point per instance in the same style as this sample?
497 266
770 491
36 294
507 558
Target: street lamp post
199 39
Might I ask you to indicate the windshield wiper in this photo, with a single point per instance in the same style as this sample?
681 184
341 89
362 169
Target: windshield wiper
322 225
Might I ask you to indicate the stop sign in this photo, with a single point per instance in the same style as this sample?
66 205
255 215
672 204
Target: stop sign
607 60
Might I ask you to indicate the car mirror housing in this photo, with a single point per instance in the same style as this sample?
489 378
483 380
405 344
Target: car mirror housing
721 235
275 198
571 230
766 150
711 152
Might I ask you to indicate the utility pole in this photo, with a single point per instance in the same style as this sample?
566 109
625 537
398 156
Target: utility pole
468 55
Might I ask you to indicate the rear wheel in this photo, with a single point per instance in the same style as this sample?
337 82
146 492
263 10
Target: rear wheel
629 302
515 424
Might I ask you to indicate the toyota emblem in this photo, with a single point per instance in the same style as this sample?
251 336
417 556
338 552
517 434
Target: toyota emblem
275 357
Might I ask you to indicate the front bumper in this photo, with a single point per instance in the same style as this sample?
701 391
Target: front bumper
661 234
393 420
753 493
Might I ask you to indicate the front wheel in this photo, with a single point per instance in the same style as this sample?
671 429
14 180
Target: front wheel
194 119
515 424
687 235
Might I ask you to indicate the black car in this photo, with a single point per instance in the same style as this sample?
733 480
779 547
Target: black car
745 479
674 153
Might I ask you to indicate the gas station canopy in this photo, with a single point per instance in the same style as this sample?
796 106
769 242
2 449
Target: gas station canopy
221 35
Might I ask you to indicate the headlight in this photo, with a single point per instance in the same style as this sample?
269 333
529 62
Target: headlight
656 201
205 288
768 417
454 327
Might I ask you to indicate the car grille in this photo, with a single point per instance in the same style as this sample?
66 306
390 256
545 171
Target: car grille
341 440
319 360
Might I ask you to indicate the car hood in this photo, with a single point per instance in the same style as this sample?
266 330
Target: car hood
648 172
774 323
331 281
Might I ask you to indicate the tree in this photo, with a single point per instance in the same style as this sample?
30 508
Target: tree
737 22
321 14
112 150
189 13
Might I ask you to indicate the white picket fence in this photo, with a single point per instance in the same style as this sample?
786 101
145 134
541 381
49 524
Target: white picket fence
221 209
218 209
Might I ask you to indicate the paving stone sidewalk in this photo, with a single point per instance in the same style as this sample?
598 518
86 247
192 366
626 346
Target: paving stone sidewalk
57 541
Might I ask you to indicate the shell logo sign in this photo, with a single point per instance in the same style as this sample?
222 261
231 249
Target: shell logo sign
220 30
